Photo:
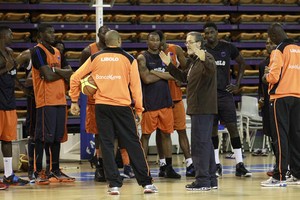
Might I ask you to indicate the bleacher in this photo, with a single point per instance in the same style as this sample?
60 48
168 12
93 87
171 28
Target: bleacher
243 22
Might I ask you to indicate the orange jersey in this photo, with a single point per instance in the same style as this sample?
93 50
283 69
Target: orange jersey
284 74
117 78
49 93
93 49
175 91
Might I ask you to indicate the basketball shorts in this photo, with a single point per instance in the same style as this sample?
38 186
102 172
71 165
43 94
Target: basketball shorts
179 116
8 125
226 110
50 123
162 119
90 119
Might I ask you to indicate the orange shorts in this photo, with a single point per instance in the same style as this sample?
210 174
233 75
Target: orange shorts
162 119
90 119
8 125
179 116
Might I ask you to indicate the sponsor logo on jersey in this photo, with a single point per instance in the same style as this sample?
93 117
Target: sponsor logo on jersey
110 59
220 62
107 77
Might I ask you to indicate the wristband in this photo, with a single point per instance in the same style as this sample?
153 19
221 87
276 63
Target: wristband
73 101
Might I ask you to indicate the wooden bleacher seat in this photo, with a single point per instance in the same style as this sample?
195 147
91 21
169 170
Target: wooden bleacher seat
72 54
148 18
193 1
247 36
74 36
133 53
15 1
291 18
268 1
264 36
142 36
147 1
19 94
16 17
91 36
16 53
271 18
253 72
45 1
168 1
124 2
21 36
265 53
172 18
245 18
195 18
218 18
250 53
21 113
92 18
75 1
21 75
295 36
47 18
124 18
58 36
1 15
247 1
289 2
249 89
224 35
74 17
215 1
129 37
174 36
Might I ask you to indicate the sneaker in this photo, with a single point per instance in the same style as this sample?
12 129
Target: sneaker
264 152
272 182
232 156
170 173
219 171
256 152
150 189
31 176
288 174
14 180
271 171
242 171
128 172
214 183
61 177
41 178
99 175
3 186
293 181
162 171
113 190
93 161
190 171
196 187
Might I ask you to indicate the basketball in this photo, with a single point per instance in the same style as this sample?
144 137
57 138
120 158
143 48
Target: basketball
88 86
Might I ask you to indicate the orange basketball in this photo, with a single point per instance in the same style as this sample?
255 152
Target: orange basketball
88 86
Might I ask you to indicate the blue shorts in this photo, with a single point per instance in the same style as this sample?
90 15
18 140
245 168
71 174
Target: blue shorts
226 110
50 123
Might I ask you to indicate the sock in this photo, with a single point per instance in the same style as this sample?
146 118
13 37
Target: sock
8 171
162 162
217 159
188 162
55 150
238 155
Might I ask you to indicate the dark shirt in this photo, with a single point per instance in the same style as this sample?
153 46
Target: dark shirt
223 53
156 95
201 84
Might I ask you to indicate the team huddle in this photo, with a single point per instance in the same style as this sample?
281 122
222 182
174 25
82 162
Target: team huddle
124 92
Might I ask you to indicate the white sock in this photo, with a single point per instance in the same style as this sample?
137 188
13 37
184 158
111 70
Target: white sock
8 171
217 159
238 155
188 162
162 162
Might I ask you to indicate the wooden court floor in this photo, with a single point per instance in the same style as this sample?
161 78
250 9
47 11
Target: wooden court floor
230 187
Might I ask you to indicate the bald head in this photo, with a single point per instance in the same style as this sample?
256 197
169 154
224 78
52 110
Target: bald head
112 39
276 33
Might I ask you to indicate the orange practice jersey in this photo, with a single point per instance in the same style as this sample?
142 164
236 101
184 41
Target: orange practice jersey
175 91
114 72
284 74
93 49
49 93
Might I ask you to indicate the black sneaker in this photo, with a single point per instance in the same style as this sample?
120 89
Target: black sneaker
288 174
170 173
219 171
93 161
99 175
196 187
128 172
162 171
190 171
14 180
242 171
214 183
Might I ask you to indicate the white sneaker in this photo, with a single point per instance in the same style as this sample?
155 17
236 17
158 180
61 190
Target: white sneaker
293 181
150 189
113 190
272 182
